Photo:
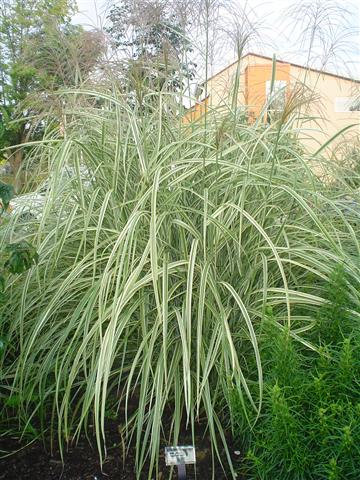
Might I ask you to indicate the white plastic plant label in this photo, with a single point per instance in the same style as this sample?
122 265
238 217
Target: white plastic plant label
180 455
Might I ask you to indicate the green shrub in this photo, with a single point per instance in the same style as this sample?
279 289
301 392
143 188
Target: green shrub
309 426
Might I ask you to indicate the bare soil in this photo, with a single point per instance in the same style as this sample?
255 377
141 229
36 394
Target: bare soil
81 461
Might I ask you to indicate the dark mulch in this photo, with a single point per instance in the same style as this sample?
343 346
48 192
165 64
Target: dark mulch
81 462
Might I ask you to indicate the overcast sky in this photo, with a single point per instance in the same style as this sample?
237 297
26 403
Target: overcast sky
277 36
91 12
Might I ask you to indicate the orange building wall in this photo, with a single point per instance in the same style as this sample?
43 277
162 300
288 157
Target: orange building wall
252 84
197 111
256 77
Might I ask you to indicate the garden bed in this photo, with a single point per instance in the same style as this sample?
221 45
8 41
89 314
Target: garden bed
81 461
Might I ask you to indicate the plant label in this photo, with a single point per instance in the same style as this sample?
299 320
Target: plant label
181 455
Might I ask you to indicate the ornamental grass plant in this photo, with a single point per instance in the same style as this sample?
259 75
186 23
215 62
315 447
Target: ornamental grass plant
156 273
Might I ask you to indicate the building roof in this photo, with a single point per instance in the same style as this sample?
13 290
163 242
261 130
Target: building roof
323 72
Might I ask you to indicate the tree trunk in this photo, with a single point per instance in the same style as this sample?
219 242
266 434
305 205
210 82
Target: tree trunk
15 161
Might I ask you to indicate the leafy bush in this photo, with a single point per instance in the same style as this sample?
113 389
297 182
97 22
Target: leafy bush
6 194
309 424
154 279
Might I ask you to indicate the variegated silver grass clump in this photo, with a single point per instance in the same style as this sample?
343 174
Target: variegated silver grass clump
154 277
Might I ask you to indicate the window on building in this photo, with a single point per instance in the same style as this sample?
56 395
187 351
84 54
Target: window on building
275 99
347 104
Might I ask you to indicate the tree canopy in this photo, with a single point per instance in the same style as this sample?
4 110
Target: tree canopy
152 38
40 51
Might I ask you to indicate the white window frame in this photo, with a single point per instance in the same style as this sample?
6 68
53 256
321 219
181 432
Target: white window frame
345 104
279 88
